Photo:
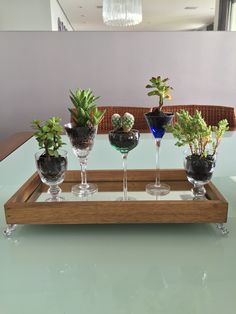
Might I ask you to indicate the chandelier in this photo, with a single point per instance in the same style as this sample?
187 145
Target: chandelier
122 12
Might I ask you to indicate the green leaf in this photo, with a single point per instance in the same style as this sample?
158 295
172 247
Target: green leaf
152 93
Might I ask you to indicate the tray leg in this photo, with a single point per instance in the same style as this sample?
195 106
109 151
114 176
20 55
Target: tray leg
223 229
10 228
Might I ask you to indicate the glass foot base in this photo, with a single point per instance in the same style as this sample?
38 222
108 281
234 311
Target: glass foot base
129 198
81 190
55 199
154 189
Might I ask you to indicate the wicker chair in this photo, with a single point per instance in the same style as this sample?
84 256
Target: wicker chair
211 113
138 112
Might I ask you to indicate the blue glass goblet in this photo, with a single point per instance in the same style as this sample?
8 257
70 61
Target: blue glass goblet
156 122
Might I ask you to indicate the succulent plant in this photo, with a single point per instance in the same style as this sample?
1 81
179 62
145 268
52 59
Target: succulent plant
160 88
126 122
116 120
85 112
48 134
193 131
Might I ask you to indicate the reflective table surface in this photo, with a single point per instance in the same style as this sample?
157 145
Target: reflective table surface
119 269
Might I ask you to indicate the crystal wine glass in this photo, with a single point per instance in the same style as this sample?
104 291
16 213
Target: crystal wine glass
52 171
199 172
156 123
82 140
124 142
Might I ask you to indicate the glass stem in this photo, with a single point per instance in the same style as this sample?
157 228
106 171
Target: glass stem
83 166
54 190
158 177
198 191
125 185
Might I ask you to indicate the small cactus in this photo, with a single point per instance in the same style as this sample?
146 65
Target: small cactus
126 122
116 120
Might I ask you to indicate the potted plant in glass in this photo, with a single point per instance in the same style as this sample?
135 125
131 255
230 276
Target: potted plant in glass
203 142
51 160
124 138
81 132
156 120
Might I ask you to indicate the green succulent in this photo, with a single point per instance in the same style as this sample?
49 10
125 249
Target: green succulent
116 120
85 111
194 131
160 88
126 122
48 134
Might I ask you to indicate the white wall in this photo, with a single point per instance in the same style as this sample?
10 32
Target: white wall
25 15
37 69
56 12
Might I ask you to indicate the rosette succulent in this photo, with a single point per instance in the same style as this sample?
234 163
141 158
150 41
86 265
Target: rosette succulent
85 112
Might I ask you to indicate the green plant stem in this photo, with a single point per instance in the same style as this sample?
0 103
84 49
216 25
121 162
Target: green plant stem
160 102
191 148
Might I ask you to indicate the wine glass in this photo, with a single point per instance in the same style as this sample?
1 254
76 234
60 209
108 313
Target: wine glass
124 142
156 123
199 170
82 140
52 172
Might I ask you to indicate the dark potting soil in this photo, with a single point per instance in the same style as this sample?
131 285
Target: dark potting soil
124 141
157 120
157 112
200 168
52 168
81 137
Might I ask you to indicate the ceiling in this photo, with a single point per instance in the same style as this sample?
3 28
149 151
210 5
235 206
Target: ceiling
158 15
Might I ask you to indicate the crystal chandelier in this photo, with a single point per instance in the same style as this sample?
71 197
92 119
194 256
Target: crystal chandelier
122 12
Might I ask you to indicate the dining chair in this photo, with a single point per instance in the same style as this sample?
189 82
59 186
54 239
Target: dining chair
138 112
211 113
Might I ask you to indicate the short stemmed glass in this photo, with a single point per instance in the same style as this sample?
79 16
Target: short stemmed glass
124 142
199 172
156 123
52 171
82 140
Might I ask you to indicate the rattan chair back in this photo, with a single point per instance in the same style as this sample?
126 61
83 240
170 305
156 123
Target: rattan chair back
211 113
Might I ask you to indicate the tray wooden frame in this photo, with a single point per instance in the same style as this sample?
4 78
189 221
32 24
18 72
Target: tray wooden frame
21 208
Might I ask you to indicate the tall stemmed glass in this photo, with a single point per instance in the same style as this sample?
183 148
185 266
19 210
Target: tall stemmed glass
124 142
156 122
82 140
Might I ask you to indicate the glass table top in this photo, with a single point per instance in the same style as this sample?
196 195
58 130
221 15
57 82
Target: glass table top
118 269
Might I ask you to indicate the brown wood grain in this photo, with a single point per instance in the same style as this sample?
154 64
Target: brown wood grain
7 146
22 209
115 212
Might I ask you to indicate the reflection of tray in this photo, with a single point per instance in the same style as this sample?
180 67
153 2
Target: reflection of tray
26 205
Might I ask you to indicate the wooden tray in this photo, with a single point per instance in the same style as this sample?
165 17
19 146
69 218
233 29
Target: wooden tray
22 207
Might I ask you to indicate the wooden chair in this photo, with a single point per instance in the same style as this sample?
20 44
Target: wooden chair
138 112
211 113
